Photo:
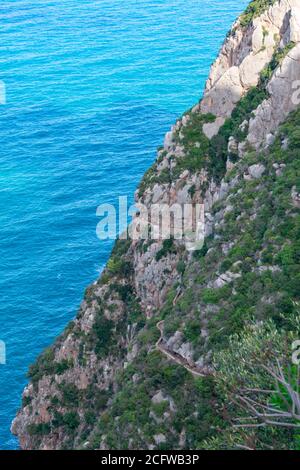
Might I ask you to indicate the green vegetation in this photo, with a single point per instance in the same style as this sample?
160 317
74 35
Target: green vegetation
254 9
242 113
192 331
132 406
103 329
160 408
196 144
276 60
232 127
181 267
241 375
213 296
152 177
167 248
46 365
245 328
118 266
265 229
41 429
249 321
26 401
70 394
200 152
71 420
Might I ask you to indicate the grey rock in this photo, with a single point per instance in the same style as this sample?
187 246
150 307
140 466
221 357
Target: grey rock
159 439
256 171
158 398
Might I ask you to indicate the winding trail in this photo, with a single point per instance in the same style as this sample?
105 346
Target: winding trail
161 346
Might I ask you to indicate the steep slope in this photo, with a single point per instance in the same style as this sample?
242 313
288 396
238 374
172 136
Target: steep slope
145 364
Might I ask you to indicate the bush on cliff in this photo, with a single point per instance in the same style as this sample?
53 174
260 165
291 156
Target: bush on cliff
253 10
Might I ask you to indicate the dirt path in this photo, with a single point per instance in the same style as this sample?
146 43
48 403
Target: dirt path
161 346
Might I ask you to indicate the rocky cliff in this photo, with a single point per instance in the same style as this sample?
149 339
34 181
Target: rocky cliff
166 337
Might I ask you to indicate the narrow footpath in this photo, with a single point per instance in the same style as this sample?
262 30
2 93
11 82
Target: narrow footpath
162 347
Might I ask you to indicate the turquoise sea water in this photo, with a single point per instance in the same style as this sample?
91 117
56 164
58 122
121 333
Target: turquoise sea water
92 86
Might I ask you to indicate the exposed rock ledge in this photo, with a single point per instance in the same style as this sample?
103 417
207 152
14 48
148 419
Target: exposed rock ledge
241 60
284 90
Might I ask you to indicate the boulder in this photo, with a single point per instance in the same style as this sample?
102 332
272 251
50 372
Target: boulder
256 171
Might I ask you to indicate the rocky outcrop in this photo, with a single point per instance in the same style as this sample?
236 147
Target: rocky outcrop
74 368
241 60
284 91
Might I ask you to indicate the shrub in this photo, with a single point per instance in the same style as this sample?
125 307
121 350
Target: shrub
26 400
168 247
125 291
243 367
41 429
181 267
71 420
219 144
119 266
192 330
70 394
61 367
213 296
103 329
160 408
253 10
89 418
276 60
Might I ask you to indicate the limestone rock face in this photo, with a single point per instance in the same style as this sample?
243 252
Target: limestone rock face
211 129
295 197
256 171
222 98
284 90
295 25
244 55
